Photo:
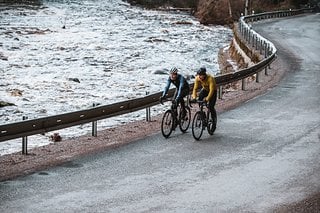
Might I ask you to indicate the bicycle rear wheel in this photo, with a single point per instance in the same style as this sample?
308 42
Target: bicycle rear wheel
167 124
184 122
212 124
198 125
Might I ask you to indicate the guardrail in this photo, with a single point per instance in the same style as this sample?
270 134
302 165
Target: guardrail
245 36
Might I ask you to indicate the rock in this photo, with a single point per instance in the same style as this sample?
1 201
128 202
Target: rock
74 79
2 57
183 22
55 137
16 92
161 72
4 104
153 39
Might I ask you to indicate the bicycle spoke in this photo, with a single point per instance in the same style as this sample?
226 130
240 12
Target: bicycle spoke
197 125
167 124
185 121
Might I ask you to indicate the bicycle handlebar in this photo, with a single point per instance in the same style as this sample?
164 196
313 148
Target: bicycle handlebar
203 103
164 99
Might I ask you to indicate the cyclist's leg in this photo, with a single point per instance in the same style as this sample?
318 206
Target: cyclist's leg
174 97
184 93
212 103
175 94
202 94
183 107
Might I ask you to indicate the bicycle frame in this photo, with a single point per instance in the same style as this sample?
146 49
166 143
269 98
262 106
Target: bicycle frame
174 108
202 105
172 118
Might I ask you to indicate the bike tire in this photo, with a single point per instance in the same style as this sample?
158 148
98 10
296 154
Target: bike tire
184 123
212 125
198 125
167 123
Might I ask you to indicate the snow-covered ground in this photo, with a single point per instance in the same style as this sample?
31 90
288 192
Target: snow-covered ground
114 51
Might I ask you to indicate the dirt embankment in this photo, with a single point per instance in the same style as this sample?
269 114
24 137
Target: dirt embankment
222 12
227 11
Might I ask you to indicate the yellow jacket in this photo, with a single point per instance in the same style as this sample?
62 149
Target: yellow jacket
208 84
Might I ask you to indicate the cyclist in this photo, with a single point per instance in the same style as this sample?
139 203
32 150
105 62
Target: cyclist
182 89
208 91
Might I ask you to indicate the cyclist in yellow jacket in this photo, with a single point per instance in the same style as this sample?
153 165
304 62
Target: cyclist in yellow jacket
208 91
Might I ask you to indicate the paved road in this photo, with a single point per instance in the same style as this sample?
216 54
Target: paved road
264 153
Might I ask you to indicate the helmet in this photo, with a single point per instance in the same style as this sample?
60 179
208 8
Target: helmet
202 71
174 70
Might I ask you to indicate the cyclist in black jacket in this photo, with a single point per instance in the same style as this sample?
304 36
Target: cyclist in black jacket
182 90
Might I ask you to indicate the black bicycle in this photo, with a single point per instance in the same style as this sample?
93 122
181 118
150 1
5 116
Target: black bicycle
174 117
202 119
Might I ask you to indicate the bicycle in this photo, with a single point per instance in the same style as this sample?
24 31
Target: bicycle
202 120
173 117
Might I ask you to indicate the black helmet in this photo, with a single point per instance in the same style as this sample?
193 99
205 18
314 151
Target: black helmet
202 71
174 70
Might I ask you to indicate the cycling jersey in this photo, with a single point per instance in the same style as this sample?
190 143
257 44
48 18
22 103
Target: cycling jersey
208 84
180 83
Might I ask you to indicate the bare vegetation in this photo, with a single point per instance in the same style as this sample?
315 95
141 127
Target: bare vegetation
221 11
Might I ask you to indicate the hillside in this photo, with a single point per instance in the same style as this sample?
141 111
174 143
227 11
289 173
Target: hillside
222 11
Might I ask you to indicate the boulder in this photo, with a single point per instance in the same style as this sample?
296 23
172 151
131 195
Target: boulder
4 104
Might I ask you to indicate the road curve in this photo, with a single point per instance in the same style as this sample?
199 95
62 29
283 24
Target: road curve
264 154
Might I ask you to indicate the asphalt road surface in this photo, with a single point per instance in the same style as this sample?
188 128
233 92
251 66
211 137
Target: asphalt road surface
264 153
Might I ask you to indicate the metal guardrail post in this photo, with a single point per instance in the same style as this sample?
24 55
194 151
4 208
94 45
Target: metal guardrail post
269 52
25 140
256 43
258 77
94 126
220 92
243 84
253 40
266 54
148 111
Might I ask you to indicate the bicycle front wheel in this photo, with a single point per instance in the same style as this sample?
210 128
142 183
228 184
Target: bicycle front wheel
167 123
198 125
184 122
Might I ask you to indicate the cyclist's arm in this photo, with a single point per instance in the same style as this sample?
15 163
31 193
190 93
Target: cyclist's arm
212 88
181 85
195 88
166 87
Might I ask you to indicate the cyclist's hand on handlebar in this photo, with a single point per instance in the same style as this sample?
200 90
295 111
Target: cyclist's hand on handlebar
207 101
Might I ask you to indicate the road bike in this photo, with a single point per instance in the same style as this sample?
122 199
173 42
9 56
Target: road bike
173 117
202 120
